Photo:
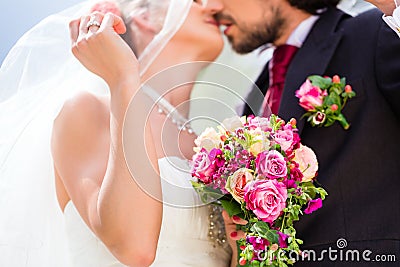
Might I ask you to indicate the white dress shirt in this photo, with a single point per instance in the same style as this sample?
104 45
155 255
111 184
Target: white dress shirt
301 32
394 20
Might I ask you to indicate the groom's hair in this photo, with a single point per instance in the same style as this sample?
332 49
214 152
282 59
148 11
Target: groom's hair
313 6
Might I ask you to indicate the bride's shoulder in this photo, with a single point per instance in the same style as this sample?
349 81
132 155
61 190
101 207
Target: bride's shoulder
83 116
86 108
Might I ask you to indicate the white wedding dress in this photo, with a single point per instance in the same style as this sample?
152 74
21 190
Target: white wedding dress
37 77
183 239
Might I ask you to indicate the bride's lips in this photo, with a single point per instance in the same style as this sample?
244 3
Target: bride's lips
213 22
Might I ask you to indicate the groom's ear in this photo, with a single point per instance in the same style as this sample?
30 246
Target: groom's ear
144 23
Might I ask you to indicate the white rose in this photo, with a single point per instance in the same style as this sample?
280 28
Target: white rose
231 124
208 139
308 163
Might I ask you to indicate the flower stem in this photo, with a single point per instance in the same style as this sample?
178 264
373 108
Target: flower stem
284 217
344 103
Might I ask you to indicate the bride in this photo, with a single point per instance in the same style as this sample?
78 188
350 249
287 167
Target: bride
109 149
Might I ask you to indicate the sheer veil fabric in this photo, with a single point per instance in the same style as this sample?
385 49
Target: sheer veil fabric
36 78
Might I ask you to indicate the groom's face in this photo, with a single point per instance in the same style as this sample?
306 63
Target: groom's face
251 23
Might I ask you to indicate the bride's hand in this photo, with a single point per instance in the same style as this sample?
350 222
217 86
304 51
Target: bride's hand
232 233
97 45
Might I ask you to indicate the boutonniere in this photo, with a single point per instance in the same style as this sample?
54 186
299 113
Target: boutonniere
324 99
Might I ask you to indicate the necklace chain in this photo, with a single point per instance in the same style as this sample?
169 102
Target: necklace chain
164 107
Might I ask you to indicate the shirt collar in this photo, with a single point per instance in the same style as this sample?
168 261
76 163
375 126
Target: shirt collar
301 32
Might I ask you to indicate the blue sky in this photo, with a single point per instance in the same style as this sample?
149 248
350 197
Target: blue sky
19 16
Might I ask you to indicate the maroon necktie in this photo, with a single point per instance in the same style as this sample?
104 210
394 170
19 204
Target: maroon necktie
280 61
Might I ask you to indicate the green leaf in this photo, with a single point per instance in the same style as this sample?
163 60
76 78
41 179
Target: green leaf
322 192
320 81
231 206
274 123
343 81
272 236
309 188
260 227
263 230
349 95
333 98
207 194
293 214
336 89
228 154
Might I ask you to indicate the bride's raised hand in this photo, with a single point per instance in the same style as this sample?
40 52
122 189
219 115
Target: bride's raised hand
97 45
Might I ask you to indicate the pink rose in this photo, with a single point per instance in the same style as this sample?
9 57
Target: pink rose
271 164
205 164
313 205
284 138
236 183
307 161
310 96
266 198
202 166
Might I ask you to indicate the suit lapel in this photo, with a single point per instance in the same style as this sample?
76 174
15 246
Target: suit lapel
312 58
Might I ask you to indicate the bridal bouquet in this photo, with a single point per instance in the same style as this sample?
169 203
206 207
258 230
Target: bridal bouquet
257 169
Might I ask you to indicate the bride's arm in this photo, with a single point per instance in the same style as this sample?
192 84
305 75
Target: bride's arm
90 160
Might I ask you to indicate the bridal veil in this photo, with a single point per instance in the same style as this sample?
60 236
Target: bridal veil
36 78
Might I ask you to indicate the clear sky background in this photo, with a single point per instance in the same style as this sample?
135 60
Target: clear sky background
18 16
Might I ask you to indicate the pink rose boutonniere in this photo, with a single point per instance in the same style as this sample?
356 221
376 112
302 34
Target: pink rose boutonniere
324 99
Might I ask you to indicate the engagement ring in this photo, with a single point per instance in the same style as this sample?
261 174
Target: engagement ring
92 23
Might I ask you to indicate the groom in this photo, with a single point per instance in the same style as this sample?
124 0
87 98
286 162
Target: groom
359 167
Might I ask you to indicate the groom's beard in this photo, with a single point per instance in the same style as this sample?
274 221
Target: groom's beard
254 36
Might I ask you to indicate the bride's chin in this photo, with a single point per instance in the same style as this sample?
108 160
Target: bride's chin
212 52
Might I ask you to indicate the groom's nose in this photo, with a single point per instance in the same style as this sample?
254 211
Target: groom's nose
213 6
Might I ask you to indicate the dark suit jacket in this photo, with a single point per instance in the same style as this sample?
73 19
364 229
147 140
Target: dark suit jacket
360 167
